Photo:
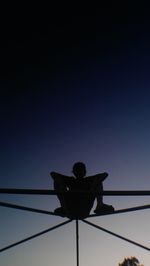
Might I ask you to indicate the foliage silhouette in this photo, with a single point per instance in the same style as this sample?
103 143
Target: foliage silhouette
133 261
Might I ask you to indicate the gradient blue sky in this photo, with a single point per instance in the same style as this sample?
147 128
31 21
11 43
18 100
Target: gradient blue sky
75 89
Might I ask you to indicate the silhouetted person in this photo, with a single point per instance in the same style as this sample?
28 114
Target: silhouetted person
79 204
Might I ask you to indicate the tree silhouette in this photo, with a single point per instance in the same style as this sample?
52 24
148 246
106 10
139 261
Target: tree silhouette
130 262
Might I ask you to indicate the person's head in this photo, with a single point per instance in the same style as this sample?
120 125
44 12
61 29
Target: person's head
79 170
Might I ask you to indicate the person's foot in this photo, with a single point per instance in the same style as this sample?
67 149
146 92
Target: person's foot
60 211
104 208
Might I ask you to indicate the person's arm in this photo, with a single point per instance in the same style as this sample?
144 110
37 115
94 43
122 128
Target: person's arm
56 175
102 176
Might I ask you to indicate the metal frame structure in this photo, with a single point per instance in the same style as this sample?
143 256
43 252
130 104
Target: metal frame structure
52 192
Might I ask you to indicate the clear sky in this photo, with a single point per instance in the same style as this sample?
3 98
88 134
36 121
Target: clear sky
75 89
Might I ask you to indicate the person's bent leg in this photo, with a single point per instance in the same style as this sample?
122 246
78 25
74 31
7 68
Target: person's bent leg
59 186
101 207
97 186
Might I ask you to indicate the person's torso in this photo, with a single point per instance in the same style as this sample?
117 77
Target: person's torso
78 184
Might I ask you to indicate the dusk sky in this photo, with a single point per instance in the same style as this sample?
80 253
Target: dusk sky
75 88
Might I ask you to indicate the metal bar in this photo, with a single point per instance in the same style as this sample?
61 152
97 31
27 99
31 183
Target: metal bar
53 192
27 191
116 235
138 208
77 241
19 207
34 236
126 193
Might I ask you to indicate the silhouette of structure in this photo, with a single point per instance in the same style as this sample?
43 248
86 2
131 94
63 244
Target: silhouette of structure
75 215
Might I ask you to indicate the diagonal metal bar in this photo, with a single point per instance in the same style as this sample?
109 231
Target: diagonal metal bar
77 241
53 192
19 207
34 236
138 208
116 235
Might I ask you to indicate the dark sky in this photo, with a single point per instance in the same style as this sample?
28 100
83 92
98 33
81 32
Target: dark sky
50 62
42 48
75 87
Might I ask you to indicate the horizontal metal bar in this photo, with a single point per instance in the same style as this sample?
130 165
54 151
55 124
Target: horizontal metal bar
126 193
27 191
53 192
